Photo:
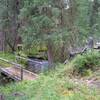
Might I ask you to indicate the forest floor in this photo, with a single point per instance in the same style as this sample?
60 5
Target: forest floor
92 81
54 88
55 85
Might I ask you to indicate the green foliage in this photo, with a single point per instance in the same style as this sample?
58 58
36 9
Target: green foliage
41 18
84 64
7 56
12 58
55 85
36 24
47 88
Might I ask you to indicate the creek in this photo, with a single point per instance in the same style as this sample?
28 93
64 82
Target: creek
37 65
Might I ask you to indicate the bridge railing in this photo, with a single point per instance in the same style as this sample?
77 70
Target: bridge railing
35 64
27 59
17 65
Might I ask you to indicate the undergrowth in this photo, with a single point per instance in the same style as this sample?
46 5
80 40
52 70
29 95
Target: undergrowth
47 88
56 84
7 56
87 63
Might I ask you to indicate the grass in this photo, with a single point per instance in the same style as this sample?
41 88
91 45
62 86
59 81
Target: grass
4 64
53 85
7 56
47 88
10 57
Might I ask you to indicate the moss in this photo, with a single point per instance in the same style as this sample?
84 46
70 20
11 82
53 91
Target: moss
7 56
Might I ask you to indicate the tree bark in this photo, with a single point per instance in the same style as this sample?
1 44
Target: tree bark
50 53
94 12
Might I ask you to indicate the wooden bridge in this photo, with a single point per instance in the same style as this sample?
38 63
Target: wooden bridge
17 72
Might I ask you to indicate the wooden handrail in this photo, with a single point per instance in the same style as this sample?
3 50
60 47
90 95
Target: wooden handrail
13 63
28 59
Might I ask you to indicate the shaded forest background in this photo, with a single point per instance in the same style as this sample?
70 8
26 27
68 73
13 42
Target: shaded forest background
52 26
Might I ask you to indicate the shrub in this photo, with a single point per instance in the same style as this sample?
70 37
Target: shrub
86 63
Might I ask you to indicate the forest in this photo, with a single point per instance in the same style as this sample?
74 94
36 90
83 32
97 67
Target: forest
49 49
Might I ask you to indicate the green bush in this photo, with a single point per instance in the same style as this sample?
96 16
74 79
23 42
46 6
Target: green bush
86 63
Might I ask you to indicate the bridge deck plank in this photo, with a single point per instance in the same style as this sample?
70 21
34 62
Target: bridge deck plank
15 73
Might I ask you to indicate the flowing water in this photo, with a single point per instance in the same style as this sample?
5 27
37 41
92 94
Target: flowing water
37 65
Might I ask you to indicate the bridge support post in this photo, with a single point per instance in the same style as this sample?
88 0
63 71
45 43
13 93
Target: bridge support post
1 97
21 73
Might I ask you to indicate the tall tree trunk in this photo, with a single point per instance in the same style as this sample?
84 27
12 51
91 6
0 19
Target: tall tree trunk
1 41
50 53
10 26
94 15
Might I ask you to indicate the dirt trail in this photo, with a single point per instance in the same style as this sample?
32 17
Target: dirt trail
91 81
